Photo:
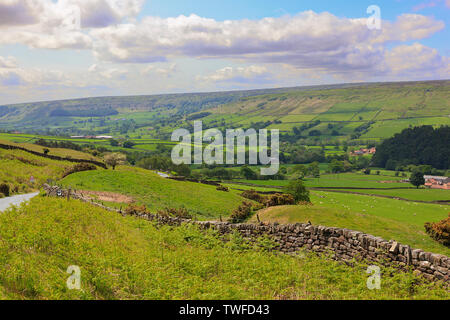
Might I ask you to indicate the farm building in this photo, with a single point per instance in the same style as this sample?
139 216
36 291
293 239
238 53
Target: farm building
436 182
363 151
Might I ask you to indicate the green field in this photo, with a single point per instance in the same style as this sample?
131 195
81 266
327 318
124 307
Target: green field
387 218
128 258
17 167
411 194
157 193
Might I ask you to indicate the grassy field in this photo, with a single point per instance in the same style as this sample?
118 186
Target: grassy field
64 153
410 194
391 219
342 180
127 258
17 167
158 193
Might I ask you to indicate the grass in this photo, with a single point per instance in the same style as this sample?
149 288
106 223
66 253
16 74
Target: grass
342 180
64 153
17 167
158 193
127 258
411 194
390 219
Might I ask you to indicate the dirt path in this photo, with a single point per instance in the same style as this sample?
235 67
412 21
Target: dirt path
106 196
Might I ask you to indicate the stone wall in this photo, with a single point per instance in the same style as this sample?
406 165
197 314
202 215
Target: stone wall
52 157
343 244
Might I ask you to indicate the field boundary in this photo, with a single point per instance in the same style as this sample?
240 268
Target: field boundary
341 244
52 157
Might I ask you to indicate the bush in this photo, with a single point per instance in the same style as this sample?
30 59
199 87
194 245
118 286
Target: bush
242 213
79 167
4 189
440 231
134 210
222 188
298 191
176 212
279 199
253 195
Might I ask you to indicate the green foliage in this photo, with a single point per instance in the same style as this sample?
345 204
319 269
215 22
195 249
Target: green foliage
417 179
4 189
418 145
242 213
298 191
129 258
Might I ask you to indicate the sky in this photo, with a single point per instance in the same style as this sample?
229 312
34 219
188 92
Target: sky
63 49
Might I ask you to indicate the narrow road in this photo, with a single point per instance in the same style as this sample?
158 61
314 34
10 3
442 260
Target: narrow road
5 203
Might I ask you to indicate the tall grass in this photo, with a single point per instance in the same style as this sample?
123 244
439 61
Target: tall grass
127 258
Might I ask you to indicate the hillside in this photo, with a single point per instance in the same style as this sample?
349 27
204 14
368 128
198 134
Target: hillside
17 167
158 193
367 111
128 258
372 111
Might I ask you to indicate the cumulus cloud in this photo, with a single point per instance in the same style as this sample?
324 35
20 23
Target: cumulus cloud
307 40
160 71
417 59
18 12
61 24
253 74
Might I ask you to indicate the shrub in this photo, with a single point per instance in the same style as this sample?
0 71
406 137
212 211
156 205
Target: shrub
440 231
242 213
79 167
222 188
253 195
176 212
298 191
134 210
4 188
279 199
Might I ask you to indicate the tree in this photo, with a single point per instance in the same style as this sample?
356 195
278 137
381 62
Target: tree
46 151
115 159
298 191
183 170
248 173
114 143
301 169
417 179
314 170
128 144
336 166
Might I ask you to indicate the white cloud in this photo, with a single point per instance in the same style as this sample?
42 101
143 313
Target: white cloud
417 59
61 24
9 62
308 40
252 74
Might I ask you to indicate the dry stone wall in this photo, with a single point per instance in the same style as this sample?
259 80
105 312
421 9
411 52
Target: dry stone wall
343 244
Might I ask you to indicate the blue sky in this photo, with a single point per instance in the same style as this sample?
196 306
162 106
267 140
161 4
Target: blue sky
127 47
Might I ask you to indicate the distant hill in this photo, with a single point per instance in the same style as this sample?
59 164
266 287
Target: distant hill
347 111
